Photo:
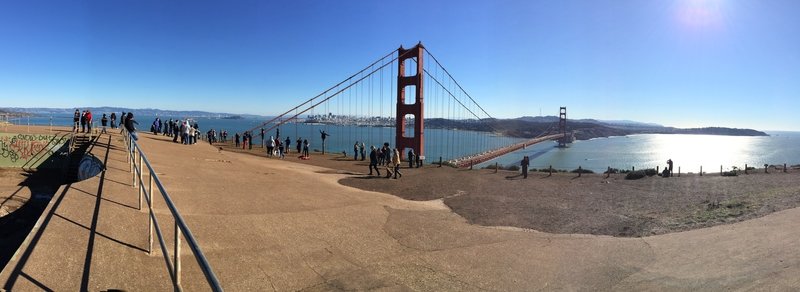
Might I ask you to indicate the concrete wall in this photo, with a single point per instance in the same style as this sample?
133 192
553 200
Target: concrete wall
32 151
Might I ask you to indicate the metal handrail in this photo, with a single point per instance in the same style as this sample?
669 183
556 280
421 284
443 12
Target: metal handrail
136 158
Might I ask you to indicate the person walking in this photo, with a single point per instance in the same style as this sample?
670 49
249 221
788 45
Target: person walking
396 163
524 165
373 161
103 122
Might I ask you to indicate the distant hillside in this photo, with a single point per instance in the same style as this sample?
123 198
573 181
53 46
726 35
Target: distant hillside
145 111
529 127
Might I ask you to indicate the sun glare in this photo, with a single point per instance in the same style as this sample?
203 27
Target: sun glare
700 14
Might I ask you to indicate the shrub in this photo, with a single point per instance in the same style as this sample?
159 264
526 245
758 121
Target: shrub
581 171
635 174
650 172
730 173
613 170
513 167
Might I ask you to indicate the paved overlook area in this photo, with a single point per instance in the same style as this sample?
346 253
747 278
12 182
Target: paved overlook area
278 225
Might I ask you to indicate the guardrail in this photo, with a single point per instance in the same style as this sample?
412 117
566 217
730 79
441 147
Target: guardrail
137 159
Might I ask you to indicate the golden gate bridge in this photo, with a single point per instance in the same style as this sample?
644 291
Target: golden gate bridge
401 90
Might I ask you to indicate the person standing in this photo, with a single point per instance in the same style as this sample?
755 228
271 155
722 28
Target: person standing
129 125
411 157
396 163
263 142
76 118
355 151
324 135
524 165
280 150
305 148
373 161
236 139
89 121
299 144
362 151
83 122
669 164
103 122
288 143
271 146
113 120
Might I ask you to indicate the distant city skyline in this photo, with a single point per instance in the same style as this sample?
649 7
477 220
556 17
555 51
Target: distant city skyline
682 63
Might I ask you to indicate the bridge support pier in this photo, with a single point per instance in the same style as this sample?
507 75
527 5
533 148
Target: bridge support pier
415 109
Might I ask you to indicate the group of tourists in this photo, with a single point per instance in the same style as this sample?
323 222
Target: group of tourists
385 156
187 130
212 136
83 121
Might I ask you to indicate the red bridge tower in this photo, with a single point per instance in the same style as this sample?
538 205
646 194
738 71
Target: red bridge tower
411 82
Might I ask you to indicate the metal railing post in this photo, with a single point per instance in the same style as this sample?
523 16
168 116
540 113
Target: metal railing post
177 257
141 186
150 215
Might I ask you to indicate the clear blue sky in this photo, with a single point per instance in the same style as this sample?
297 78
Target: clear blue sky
684 63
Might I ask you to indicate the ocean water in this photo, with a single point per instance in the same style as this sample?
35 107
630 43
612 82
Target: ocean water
689 152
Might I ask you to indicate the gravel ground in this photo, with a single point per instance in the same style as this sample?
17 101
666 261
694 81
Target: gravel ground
590 204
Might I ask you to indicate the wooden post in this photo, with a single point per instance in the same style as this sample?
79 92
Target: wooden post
580 170
495 167
679 171
440 161
633 168
784 167
701 170
470 165
745 168
657 169
551 170
608 172
720 170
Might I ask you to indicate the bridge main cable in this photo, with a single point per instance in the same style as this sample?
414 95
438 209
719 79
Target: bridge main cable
326 91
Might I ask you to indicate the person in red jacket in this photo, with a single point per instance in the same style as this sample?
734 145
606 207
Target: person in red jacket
89 120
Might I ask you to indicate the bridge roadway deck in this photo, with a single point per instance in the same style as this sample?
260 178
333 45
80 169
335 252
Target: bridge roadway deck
278 225
494 153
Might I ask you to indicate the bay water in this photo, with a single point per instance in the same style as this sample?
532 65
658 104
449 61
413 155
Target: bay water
689 152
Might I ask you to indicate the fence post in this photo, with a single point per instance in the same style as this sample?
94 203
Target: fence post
701 170
608 172
440 161
679 171
551 170
580 171
657 169
177 257
141 186
720 170
150 216
784 167
745 168
495 167
470 165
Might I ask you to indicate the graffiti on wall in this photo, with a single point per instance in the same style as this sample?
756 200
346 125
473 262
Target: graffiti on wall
16 148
